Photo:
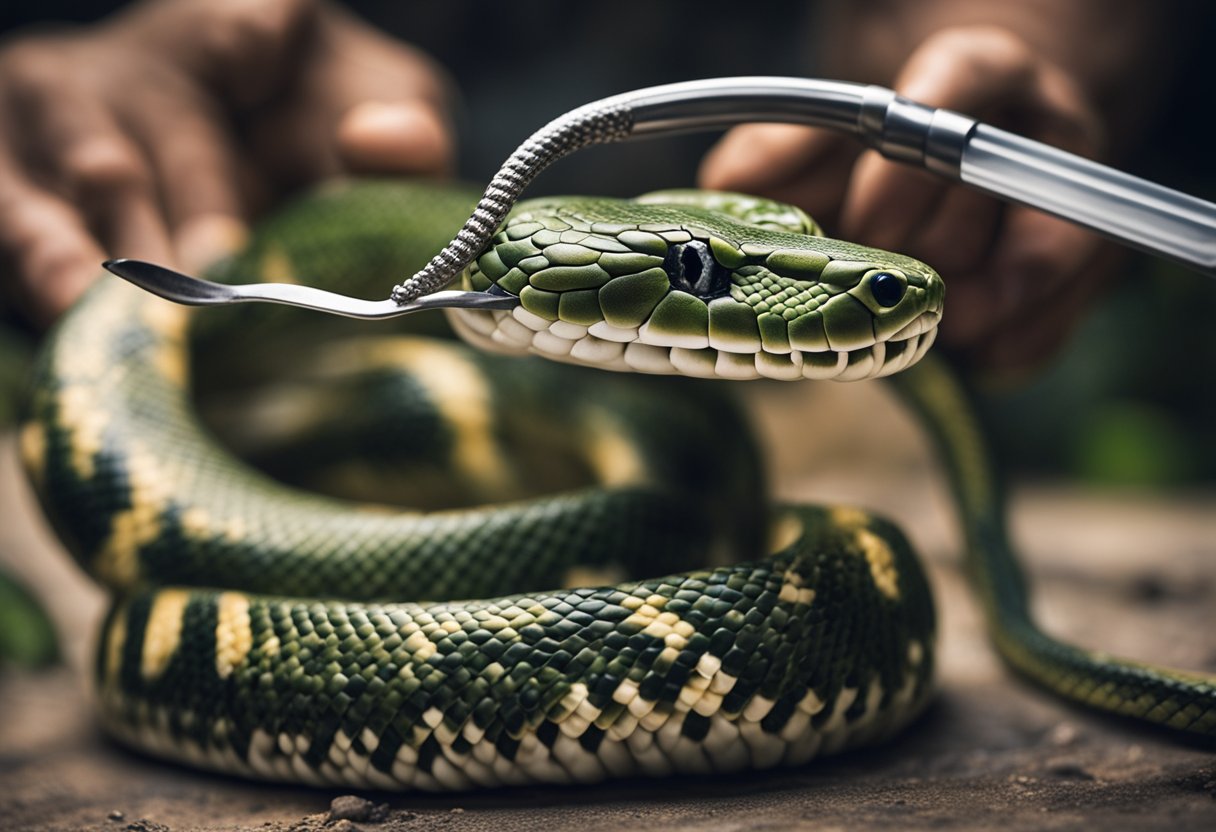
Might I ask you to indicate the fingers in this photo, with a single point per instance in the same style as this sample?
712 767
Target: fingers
390 101
322 92
89 159
361 101
48 250
976 70
160 185
403 137
970 69
1015 349
1017 278
960 232
885 203
113 184
196 165
989 73
75 187
245 50
805 166
1022 300
119 140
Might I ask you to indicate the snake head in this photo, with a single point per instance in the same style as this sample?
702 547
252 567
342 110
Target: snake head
707 285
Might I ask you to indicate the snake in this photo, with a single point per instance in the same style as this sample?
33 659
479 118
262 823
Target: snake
370 556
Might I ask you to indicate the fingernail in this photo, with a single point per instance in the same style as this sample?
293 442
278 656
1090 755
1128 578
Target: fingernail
202 240
409 137
379 116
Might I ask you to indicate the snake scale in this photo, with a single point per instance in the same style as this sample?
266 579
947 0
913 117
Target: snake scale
264 629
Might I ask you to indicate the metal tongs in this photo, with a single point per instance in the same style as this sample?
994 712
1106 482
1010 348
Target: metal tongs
1132 211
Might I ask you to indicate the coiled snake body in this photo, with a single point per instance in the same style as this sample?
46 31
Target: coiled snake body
779 634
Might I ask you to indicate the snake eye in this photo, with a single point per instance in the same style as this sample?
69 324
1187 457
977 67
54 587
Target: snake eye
691 268
887 289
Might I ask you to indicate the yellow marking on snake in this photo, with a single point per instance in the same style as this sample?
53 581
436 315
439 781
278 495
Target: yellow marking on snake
848 517
664 627
82 415
793 591
580 575
882 563
163 631
115 639
196 522
167 320
32 444
421 647
875 550
614 459
233 632
86 422
648 616
461 394
271 644
235 530
117 562
276 267
784 531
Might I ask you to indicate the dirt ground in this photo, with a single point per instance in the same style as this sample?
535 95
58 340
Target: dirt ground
1130 573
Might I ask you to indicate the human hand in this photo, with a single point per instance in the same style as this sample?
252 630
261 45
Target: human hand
159 132
1017 279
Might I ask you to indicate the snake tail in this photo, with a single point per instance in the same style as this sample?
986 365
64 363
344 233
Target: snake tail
1178 700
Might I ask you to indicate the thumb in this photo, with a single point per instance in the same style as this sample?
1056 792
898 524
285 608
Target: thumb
389 101
243 50
395 137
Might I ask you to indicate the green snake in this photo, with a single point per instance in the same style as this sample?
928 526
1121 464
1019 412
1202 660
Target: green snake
264 629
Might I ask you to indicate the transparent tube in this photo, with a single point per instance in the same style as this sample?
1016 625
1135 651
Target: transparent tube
1131 210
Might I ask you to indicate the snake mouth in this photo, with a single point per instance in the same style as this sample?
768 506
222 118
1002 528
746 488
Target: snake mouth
640 350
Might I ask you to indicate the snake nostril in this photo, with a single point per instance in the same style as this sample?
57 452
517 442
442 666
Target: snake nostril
691 268
690 264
